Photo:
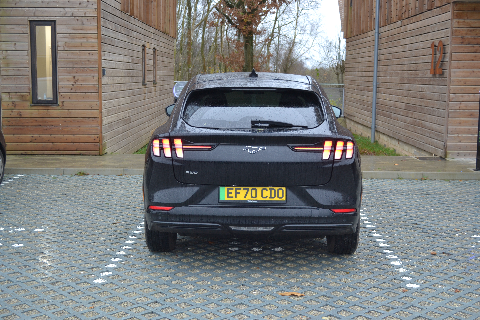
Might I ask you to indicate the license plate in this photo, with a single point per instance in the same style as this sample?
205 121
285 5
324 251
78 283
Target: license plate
253 194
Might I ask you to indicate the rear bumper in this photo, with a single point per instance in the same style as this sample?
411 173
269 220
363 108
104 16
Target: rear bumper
247 221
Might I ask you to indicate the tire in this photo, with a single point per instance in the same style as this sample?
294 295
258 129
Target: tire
345 243
159 241
2 166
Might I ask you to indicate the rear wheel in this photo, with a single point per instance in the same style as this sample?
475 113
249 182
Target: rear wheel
345 243
159 241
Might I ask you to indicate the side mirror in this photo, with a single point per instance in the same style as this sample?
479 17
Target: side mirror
337 111
169 109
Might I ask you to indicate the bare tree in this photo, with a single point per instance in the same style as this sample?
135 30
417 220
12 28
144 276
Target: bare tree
334 57
235 35
246 16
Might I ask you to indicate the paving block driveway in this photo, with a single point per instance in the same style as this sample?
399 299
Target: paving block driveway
72 247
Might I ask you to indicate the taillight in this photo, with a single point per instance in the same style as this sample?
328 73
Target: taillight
327 149
156 147
339 150
179 146
349 153
167 150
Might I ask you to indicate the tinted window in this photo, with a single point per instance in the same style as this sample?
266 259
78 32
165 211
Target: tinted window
236 109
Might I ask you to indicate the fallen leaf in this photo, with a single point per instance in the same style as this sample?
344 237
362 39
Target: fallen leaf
211 242
404 290
396 164
457 291
294 294
433 253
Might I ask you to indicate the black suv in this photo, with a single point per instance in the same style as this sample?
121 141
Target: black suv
252 154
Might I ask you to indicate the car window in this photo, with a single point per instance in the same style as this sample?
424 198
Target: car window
240 109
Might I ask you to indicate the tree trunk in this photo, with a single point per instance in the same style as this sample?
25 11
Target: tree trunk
270 39
204 27
189 38
248 52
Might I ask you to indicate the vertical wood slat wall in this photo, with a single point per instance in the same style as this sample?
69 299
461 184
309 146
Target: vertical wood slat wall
411 103
159 14
465 80
414 106
359 15
72 127
131 110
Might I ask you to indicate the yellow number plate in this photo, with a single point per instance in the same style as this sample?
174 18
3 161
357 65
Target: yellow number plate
253 194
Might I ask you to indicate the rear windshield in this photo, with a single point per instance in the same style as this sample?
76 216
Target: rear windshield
240 109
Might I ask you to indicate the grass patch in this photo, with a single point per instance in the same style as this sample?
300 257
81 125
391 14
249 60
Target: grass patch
368 148
142 150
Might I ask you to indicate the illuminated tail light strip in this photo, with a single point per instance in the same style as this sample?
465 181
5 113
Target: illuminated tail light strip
156 147
308 148
198 147
349 153
327 149
178 147
167 150
339 150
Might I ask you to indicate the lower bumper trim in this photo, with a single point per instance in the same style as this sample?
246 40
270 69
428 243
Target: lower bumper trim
212 228
255 229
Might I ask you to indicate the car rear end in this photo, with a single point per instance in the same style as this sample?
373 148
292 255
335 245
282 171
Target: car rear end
242 161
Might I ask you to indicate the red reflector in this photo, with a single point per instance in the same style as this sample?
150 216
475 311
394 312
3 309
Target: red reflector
178 147
160 208
339 150
166 148
327 149
156 147
344 210
349 153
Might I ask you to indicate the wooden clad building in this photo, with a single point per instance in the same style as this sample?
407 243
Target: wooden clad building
84 76
428 73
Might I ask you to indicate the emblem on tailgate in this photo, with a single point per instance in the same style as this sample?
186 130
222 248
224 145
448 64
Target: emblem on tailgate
253 150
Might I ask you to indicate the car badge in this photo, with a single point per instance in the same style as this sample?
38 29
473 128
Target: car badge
253 150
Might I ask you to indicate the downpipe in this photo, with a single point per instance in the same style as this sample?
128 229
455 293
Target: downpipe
477 166
375 71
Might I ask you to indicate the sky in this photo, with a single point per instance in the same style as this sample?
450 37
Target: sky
330 14
330 26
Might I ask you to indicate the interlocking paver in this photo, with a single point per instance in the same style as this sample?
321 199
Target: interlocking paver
73 247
